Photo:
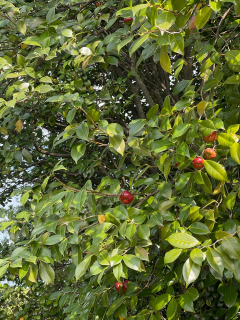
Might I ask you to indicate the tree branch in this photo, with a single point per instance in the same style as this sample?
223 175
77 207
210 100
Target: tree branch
53 154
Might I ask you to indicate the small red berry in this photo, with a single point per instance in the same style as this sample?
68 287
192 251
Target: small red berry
117 285
209 154
176 164
128 21
126 197
125 285
198 163
211 137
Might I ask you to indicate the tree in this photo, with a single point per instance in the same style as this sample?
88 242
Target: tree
92 106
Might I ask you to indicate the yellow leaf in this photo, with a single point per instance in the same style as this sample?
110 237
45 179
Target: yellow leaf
23 45
218 189
101 218
165 60
3 130
19 125
121 318
201 107
85 63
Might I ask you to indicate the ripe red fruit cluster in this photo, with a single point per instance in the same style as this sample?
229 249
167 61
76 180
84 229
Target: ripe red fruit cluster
126 197
198 163
211 137
128 21
117 285
209 154
123 285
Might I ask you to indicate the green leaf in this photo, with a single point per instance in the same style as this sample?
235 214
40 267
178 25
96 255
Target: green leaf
27 155
123 43
51 15
161 145
182 180
215 260
190 271
177 43
215 170
230 295
178 5
143 232
160 301
152 111
132 262
206 127
196 256
110 218
67 33
202 17
183 149
182 240
46 273
199 228
233 60
117 143
165 60
165 20
172 310
54 239
232 247
82 267
193 293
232 312
184 214
78 151
228 263
180 130
104 258
112 60
172 255
201 107
116 303
235 79
21 27
3 270
186 302
46 79
141 253
136 44
33 273
82 131
136 125
235 152
79 199
180 86
24 198
226 139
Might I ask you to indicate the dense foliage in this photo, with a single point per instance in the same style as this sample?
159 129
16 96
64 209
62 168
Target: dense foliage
92 105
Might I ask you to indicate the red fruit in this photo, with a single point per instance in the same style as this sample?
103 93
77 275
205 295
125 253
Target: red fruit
211 137
117 285
128 21
191 24
198 163
176 164
126 197
125 285
209 154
